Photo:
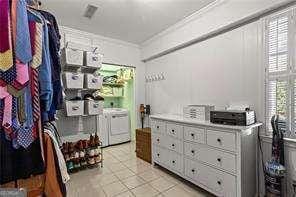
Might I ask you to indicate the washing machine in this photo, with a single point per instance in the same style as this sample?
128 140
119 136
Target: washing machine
115 126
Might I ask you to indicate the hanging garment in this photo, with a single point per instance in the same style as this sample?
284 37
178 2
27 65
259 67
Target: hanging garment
22 42
45 80
6 58
51 131
52 185
54 47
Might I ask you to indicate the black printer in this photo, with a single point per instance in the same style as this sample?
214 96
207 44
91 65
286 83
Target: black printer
235 117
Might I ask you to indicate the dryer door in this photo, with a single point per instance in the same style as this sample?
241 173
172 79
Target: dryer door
119 124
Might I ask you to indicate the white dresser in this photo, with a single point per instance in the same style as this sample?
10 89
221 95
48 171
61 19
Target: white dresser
219 158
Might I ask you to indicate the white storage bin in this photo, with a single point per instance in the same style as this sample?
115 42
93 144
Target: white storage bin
73 80
93 59
94 107
74 108
93 81
72 56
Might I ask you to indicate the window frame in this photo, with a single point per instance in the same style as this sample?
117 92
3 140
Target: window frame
289 75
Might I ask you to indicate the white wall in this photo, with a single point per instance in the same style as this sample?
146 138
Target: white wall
217 71
226 68
115 52
211 18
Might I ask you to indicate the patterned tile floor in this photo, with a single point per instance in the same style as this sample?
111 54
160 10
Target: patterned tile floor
124 175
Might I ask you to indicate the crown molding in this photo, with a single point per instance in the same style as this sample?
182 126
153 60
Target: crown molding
93 36
184 21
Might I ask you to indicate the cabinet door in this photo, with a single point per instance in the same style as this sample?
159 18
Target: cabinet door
157 139
158 155
221 140
174 130
158 126
174 144
175 162
194 134
220 159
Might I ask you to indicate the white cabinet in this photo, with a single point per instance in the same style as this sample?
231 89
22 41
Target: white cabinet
209 155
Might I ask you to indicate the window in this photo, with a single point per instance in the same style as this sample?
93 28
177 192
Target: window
280 70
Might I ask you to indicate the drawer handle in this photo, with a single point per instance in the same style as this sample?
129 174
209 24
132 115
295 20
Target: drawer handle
96 105
74 77
74 108
157 127
219 182
219 159
94 80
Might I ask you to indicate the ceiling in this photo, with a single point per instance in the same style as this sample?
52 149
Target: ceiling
129 20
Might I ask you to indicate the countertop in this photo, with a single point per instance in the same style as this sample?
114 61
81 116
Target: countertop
181 119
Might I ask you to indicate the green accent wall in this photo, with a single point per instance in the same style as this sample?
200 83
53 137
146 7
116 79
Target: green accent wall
128 99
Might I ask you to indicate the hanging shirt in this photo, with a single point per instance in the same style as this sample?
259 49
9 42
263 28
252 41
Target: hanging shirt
45 80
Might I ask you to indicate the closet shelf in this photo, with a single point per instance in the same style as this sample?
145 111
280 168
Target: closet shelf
67 66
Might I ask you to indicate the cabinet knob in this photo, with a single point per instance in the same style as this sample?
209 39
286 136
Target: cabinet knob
157 154
192 135
173 130
192 151
157 127
219 159
173 145
173 161
219 182
157 139
219 140
193 170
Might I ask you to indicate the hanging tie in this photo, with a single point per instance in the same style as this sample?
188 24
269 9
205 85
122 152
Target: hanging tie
6 58
35 94
25 134
37 57
22 42
7 114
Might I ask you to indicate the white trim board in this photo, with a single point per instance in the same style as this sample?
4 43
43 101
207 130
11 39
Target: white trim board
161 51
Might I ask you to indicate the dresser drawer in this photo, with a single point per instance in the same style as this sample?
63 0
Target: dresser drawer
159 155
175 162
158 126
174 144
157 139
216 158
194 134
221 183
174 130
221 140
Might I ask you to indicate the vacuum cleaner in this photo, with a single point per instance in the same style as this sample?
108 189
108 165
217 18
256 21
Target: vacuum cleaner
274 169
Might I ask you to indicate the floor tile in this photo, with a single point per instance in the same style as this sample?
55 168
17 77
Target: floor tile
114 189
123 174
161 184
176 192
125 194
117 167
107 179
140 168
144 191
149 175
133 182
132 162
